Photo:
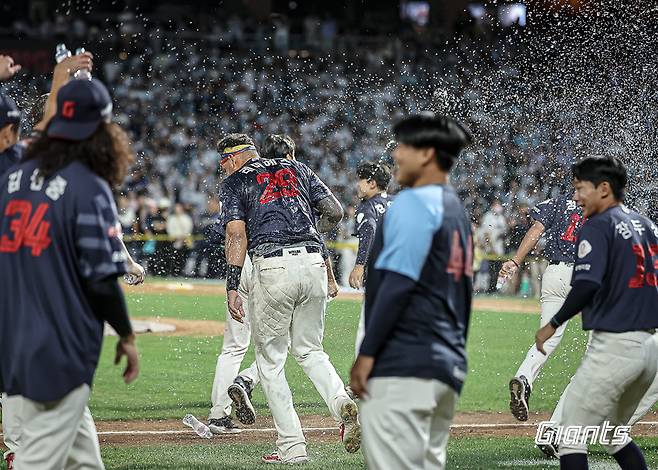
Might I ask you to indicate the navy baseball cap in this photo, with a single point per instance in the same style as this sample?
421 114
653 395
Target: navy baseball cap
9 112
81 106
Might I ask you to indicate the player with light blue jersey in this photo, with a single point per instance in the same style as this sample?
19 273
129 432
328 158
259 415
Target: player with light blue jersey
412 362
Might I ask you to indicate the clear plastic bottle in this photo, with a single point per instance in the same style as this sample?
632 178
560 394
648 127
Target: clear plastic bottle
61 52
82 74
201 429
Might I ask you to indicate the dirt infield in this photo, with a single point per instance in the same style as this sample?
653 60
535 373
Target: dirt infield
482 303
187 327
323 429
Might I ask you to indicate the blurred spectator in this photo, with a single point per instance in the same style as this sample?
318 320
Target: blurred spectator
179 229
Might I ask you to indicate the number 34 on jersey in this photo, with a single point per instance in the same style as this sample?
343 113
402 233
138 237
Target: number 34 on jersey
27 227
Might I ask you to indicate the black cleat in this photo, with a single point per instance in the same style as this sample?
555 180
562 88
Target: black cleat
519 390
240 393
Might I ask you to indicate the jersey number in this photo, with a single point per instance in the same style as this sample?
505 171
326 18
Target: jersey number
641 276
29 229
569 236
457 264
283 183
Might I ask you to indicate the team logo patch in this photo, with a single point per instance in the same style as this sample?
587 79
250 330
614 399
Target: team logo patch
584 249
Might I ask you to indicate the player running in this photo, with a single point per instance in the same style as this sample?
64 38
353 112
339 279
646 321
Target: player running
412 362
615 285
558 220
371 189
270 212
59 259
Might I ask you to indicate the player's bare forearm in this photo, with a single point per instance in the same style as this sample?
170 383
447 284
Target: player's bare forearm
331 212
61 75
529 242
236 243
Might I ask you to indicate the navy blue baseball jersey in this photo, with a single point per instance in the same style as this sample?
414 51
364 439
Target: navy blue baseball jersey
275 198
55 234
561 218
10 157
618 249
425 236
367 216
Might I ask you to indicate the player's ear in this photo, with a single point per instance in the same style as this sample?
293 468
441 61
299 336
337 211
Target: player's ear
604 189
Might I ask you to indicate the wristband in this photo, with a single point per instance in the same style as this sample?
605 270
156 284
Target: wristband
233 273
515 263
555 323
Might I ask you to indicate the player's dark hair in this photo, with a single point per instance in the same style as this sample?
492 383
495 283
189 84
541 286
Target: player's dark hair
428 130
277 146
107 153
597 170
378 172
232 140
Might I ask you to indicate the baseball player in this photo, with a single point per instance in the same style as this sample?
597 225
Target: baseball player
273 202
615 285
371 189
558 220
57 299
412 362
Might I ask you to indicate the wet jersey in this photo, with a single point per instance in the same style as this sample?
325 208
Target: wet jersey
618 250
561 218
367 216
55 234
425 236
275 198
10 157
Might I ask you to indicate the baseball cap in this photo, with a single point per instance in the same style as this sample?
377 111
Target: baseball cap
81 106
9 112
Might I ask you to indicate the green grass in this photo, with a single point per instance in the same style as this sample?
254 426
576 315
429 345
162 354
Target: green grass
463 453
177 372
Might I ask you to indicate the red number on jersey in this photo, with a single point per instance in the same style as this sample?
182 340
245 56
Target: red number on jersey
459 265
29 230
283 183
641 276
569 236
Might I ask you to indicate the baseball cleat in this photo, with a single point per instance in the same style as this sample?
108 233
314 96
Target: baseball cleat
550 450
240 393
350 430
9 460
519 390
223 426
275 459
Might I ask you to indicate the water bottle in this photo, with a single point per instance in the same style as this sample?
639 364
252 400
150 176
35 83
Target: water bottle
500 282
130 279
61 52
201 429
82 74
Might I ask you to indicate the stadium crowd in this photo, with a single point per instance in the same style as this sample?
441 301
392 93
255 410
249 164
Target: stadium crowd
177 89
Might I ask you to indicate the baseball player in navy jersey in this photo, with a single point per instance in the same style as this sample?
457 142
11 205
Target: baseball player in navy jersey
412 362
371 189
270 212
57 299
558 220
615 285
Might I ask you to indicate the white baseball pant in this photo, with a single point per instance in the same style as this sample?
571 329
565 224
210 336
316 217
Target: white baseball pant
405 423
236 343
59 434
11 422
616 372
360 331
287 304
555 286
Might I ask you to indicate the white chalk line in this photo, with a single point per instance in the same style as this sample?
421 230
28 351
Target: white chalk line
323 429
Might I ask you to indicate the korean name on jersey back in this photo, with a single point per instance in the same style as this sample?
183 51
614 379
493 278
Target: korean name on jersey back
618 250
275 198
561 218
